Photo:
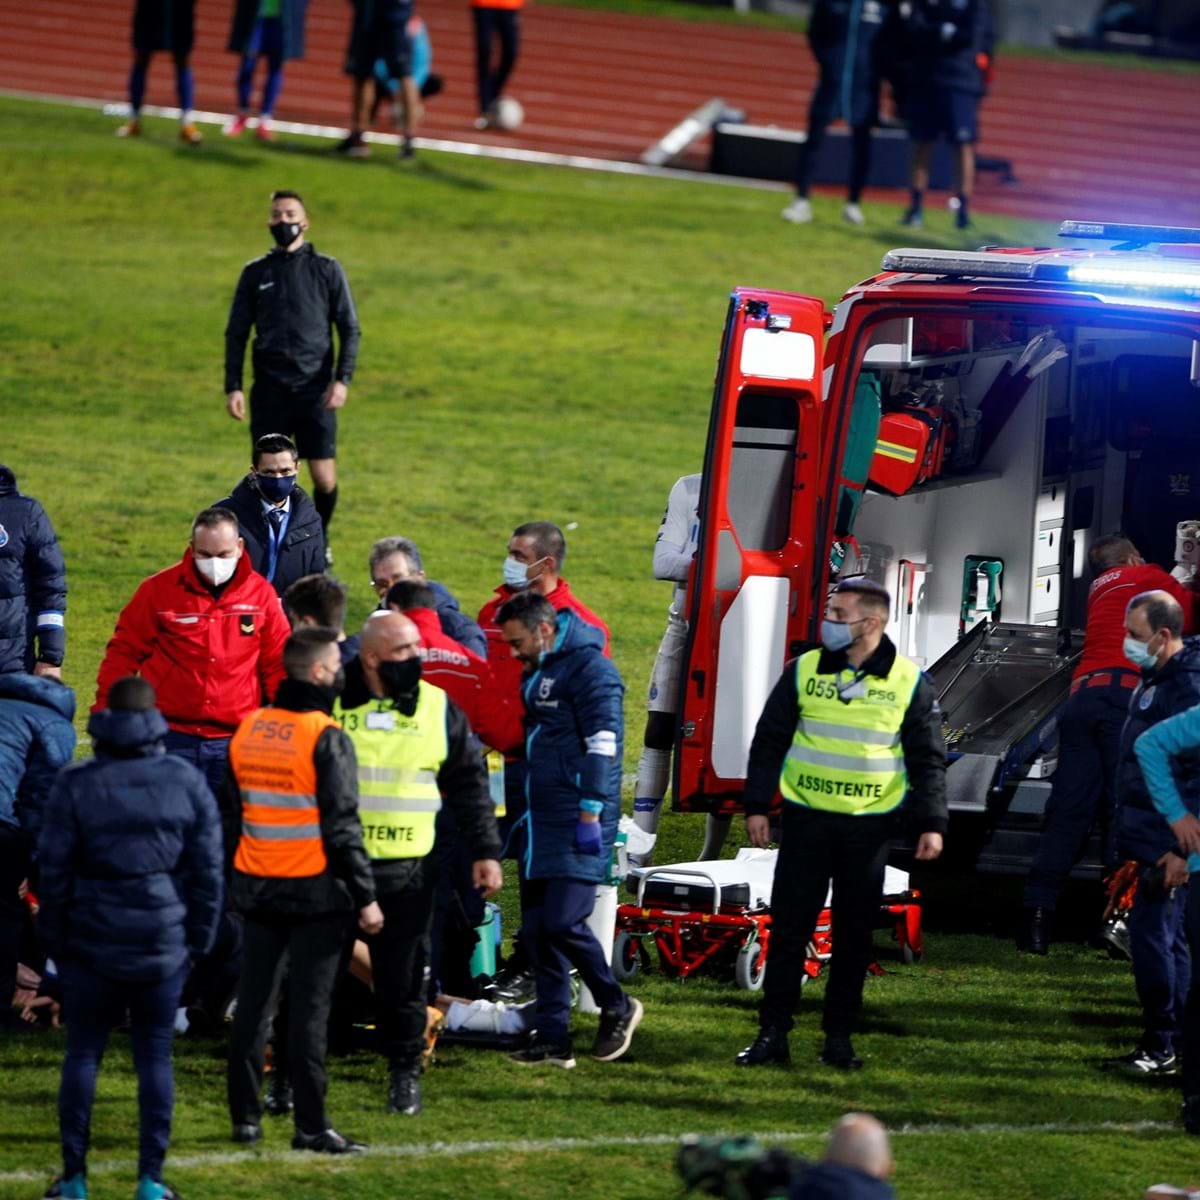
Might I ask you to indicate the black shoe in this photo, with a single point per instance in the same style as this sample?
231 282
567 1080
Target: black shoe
545 1054
1152 1063
278 1100
513 987
616 1031
247 1133
353 147
914 218
1035 937
406 148
1191 1114
329 1142
839 1053
60 1188
962 218
771 1046
404 1091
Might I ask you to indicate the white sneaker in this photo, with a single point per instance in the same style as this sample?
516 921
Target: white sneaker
853 214
799 212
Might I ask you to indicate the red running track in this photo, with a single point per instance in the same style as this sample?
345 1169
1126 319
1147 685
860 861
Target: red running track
1086 141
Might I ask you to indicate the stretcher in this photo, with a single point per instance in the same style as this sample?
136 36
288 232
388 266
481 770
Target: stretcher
717 916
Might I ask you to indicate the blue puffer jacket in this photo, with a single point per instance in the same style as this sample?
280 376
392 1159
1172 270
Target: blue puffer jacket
131 865
574 727
1141 831
455 623
945 39
33 582
845 36
36 739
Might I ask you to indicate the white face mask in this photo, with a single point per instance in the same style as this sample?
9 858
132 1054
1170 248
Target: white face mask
216 571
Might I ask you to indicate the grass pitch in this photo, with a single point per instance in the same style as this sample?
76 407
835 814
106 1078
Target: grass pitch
537 342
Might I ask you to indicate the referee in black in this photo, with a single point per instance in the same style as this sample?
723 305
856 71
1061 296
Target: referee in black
292 297
849 736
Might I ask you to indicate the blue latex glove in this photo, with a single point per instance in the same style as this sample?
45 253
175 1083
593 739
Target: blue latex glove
588 837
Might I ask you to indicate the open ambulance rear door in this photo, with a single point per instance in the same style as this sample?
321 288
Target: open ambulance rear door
750 606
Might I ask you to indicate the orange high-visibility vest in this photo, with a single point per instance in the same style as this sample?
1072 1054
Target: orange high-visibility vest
272 759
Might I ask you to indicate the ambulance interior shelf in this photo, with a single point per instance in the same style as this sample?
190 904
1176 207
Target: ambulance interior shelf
999 688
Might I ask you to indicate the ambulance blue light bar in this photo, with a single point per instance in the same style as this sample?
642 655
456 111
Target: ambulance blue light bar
1140 235
959 263
1154 273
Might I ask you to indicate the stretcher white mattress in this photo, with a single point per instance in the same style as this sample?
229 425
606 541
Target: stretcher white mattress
756 868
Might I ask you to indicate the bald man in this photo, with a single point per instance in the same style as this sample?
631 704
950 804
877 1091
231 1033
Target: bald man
415 753
856 1166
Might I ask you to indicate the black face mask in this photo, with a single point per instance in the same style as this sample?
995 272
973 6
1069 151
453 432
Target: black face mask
285 232
401 678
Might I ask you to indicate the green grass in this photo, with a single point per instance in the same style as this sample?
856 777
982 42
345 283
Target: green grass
537 342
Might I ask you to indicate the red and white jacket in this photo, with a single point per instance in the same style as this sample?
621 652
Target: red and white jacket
211 659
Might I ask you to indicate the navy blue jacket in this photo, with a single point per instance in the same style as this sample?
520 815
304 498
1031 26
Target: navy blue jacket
833 1181
36 739
303 549
944 39
455 623
130 852
574 725
846 37
33 582
291 14
1141 832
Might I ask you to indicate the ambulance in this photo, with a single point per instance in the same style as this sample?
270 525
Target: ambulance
960 428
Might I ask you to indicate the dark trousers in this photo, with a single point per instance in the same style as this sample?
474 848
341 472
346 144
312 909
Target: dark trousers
311 950
210 756
557 938
458 909
491 23
94 1004
1161 965
1191 1011
14 868
400 969
1089 738
816 847
824 107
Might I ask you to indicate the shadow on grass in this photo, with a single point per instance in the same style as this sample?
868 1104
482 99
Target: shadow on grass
383 157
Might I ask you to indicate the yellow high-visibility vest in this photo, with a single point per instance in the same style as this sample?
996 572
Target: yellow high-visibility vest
847 757
399 759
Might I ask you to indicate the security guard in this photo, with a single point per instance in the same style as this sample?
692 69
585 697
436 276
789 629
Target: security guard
414 749
846 735
299 868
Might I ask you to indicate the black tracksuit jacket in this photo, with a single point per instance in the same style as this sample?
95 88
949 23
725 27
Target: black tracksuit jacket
292 300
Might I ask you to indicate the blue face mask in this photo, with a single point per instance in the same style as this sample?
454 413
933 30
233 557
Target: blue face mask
836 635
275 487
1139 654
514 575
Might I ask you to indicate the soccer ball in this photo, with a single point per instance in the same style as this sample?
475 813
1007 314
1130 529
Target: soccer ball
507 113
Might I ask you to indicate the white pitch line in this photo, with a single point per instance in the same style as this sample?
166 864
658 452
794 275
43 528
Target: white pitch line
541 158
201 1161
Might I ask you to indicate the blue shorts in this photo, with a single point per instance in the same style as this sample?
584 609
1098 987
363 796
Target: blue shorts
949 113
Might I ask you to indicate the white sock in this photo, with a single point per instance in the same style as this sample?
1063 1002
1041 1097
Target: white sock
185 116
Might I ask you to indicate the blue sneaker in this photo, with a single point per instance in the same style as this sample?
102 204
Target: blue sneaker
74 1188
153 1189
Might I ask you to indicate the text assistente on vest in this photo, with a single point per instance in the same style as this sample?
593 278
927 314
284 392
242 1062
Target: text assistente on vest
850 734
415 749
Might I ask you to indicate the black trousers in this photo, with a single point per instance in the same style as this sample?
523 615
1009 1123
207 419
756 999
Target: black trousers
490 23
400 968
14 868
816 847
310 949
1089 740
1191 1010
824 108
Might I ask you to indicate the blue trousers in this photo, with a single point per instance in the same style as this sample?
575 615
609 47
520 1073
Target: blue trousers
94 1005
557 938
1161 965
210 756
1191 1014
1089 738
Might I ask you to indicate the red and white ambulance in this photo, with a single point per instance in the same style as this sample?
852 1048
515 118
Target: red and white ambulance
961 427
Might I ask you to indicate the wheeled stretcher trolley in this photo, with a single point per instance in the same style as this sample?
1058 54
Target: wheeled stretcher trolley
717 915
